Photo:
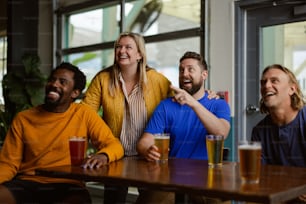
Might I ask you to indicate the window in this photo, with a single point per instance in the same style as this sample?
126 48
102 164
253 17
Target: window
86 32
91 62
3 61
286 44
91 27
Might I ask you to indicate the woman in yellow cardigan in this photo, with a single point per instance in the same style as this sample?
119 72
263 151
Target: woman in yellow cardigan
128 93
117 89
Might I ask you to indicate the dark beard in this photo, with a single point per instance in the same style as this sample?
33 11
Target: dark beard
51 103
194 89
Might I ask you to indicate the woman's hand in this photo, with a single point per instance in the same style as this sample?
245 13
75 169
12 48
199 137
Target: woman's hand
212 94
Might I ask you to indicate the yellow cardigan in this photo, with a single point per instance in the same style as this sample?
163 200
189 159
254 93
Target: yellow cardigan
98 95
39 139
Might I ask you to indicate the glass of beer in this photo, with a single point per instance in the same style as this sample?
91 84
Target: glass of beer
250 161
161 141
77 146
214 145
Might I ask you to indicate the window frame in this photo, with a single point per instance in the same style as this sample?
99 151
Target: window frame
3 59
62 12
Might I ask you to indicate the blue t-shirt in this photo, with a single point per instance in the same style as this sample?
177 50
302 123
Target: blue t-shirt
187 133
282 145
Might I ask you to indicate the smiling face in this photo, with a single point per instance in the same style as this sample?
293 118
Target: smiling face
60 90
276 89
126 52
191 76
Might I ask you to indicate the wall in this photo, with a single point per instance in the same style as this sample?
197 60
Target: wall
45 35
29 29
22 31
220 55
3 17
220 42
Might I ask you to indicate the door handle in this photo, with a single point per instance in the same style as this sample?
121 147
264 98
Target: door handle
251 108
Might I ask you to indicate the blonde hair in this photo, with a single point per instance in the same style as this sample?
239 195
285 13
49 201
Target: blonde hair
297 99
142 63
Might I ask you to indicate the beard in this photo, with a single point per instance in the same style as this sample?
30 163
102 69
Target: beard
51 103
51 100
194 88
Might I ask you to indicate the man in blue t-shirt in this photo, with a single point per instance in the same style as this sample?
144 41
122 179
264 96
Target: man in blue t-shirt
188 116
282 132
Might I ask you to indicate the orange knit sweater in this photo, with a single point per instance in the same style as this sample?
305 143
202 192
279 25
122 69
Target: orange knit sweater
39 139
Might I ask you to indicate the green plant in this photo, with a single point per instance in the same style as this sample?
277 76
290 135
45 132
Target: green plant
5 119
22 89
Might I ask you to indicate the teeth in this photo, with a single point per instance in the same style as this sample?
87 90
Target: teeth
187 81
122 56
269 93
53 93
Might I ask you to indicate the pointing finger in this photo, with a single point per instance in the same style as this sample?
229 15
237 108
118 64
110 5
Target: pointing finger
176 89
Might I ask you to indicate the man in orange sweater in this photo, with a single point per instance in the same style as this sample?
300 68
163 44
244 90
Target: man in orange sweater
38 138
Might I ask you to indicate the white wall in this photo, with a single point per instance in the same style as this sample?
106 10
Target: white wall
220 46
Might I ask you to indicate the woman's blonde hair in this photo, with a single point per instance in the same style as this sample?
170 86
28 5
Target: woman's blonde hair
142 63
297 99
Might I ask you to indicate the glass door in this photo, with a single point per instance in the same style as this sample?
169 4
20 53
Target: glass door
267 32
285 44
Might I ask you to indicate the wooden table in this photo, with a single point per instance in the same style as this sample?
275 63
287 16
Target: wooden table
277 183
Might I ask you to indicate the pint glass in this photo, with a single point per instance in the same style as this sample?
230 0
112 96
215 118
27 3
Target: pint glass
162 141
77 146
214 145
250 161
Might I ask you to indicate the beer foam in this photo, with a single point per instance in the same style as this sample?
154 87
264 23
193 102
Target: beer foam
77 138
161 137
250 147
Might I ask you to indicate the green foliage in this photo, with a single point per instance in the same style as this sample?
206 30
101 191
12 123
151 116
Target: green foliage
85 57
5 119
22 89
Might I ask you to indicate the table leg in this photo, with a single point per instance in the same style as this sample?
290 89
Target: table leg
181 198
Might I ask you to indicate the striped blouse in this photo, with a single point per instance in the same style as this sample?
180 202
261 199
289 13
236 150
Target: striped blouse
134 119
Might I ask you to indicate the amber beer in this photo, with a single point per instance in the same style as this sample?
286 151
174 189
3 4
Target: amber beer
162 141
249 156
77 147
214 145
